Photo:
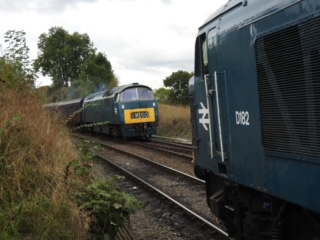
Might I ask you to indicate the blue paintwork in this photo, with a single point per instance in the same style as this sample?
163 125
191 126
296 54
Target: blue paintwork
232 32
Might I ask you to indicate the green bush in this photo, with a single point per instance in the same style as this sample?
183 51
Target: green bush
108 206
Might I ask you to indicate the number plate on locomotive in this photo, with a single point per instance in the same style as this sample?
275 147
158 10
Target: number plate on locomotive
135 115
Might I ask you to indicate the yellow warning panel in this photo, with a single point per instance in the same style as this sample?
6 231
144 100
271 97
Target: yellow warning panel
140 115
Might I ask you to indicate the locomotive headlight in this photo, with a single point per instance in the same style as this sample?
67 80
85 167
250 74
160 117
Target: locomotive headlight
115 110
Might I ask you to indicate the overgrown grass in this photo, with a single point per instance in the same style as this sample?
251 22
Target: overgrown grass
34 152
174 121
47 190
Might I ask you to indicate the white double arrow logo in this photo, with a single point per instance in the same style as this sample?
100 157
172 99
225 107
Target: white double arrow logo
205 116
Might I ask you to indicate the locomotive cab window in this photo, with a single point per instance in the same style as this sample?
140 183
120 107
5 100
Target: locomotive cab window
145 94
134 94
201 63
205 57
129 94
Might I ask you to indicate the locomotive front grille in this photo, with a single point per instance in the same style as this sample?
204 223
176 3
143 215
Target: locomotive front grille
288 68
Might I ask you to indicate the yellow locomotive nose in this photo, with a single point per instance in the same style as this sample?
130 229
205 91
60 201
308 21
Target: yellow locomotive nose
140 115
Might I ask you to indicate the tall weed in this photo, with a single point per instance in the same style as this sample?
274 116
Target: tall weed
34 152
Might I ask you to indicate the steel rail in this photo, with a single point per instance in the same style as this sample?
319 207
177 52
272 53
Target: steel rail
186 209
189 211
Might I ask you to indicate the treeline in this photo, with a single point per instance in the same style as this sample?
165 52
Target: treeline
75 67
72 62
176 88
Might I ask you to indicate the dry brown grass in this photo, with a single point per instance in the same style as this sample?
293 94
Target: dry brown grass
34 153
174 121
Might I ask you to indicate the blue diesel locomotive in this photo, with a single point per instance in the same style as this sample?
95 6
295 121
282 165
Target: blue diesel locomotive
255 113
127 111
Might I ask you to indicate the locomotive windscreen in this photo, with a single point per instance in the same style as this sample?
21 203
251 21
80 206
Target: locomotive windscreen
288 68
137 93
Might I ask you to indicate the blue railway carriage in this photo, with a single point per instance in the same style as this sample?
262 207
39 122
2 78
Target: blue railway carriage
128 111
255 107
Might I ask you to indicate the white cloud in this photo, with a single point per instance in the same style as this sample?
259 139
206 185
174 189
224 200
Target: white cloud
144 40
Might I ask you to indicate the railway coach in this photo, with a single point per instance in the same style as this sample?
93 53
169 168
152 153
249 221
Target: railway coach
255 111
128 111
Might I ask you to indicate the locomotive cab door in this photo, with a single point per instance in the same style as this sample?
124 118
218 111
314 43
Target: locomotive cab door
211 105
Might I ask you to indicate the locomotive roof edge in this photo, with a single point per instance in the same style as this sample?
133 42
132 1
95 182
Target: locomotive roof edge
218 13
97 95
112 92
56 104
262 10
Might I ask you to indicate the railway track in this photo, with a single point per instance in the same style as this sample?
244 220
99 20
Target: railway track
172 148
181 190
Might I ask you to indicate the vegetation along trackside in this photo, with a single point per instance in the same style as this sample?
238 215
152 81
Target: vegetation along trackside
47 190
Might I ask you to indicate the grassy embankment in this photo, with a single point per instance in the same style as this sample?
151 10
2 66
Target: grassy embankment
34 153
174 121
47 190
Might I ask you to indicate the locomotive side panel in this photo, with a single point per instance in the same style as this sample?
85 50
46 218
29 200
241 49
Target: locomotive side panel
288 80
239 105
235 105
256 110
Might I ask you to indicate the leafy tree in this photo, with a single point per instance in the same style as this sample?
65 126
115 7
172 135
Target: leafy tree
98 70
177 82
16 57
10 74
96 75
17 49
71 61
61 55
162 94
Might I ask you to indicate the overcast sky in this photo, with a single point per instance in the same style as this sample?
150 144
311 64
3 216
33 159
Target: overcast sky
145 40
